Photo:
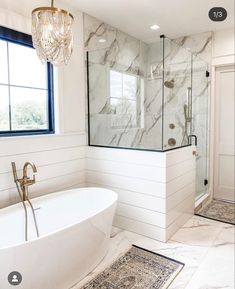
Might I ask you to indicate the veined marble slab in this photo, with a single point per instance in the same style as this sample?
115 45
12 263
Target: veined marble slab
205 246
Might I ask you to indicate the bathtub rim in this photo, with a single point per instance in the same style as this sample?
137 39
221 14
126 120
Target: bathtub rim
113 203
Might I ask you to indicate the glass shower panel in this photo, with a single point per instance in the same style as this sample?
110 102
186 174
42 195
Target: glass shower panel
200 122
125 104
177 93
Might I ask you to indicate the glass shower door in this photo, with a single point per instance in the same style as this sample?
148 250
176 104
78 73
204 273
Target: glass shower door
200 121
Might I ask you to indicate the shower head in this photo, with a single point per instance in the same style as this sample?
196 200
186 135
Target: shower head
169 83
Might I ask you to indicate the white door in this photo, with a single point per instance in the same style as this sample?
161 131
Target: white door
224 134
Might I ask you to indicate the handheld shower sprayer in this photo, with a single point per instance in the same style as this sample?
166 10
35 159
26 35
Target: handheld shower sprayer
22 188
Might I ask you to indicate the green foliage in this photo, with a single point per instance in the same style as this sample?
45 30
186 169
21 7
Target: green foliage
25 115
29 115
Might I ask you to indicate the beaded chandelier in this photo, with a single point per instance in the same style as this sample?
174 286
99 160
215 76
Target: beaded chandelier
52 34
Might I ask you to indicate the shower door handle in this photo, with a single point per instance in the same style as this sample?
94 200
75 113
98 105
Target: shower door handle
190 139
189 101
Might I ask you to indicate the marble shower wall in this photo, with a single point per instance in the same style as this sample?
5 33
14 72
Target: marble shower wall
138 124
135 122
201 47
177 79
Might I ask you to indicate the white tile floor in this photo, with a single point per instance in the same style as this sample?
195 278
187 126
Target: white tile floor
205 246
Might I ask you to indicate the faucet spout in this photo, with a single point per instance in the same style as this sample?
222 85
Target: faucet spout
26 165
25 181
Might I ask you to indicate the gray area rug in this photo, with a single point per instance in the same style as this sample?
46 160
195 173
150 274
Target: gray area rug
138 269
219 211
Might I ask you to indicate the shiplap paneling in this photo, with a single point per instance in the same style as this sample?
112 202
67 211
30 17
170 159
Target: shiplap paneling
156 190
60 162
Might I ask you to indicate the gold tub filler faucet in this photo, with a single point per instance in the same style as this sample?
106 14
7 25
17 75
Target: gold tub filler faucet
22 185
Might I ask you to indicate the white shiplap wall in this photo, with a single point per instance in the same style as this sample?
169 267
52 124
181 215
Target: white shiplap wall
59 157
156 190
60 161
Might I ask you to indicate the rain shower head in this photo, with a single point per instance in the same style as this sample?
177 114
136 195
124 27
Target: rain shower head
169 83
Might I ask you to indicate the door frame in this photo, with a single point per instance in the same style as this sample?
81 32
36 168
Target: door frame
227 68
216 63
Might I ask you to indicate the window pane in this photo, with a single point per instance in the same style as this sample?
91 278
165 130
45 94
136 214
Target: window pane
25 67
115 84
129 86
3 62
28 109
125 114
4 108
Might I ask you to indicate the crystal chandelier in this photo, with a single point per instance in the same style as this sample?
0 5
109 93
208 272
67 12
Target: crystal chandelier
52 34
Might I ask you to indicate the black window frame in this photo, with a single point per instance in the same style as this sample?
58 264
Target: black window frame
23 39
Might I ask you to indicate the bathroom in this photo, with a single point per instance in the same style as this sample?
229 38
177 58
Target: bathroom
117 153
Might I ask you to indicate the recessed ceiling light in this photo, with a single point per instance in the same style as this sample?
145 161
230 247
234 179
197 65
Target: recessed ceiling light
154 27
102 40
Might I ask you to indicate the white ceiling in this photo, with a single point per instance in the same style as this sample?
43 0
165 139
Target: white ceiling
175 17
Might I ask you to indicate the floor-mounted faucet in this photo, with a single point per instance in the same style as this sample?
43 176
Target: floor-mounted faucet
25 181
22 185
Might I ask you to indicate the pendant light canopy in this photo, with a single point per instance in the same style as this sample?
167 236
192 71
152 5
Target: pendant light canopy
52 34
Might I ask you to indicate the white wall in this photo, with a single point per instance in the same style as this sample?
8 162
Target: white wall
223 43
60 157
156 190
223 47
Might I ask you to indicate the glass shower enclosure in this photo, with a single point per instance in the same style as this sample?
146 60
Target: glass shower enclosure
146 107
155 103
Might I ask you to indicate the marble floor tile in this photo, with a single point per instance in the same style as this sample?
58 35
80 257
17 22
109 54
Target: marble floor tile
198 231
203 245
217 269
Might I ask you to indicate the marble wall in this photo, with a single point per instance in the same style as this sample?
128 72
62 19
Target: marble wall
158 117
140 126
201 47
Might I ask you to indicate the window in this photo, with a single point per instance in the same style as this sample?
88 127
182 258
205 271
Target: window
123 98
26 87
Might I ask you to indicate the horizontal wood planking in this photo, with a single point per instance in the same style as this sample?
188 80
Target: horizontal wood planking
140 228
180 182
180 155
154 231
60 161
45 172
10 196
127 183
148 202
186 210
179 169
153 217
28 144
152 199
142 215
155 159
128 170
42 158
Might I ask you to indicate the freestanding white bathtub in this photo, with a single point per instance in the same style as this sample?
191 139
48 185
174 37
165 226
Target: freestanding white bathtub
74 229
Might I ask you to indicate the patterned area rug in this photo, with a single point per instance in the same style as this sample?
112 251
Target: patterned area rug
138 269
219 211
